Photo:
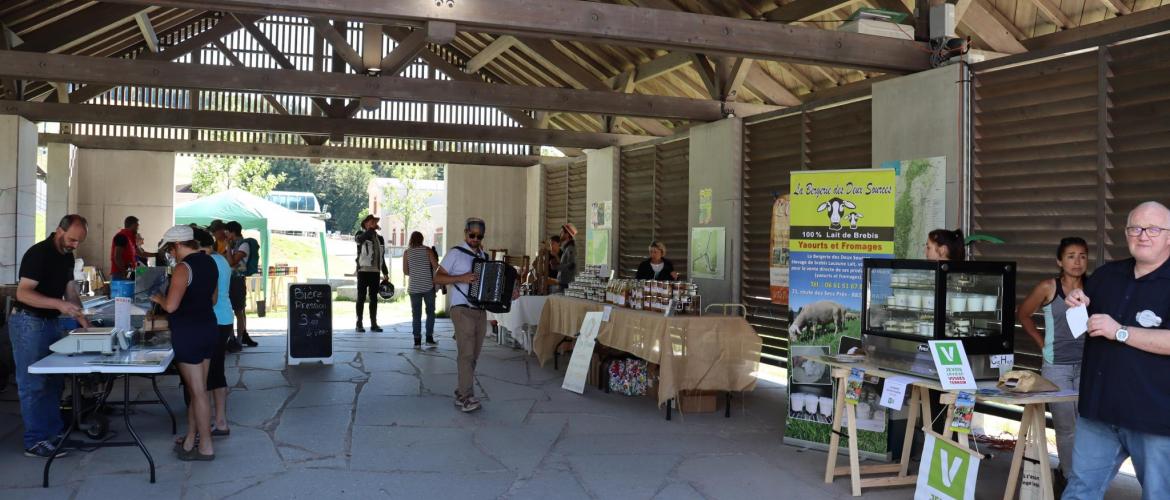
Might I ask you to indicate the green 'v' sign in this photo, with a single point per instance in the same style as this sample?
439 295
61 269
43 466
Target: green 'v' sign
948 472
948 354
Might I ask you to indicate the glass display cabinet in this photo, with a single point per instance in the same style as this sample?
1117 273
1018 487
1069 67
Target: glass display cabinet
906 303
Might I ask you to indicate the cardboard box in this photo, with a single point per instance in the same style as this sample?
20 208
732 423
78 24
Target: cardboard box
697 401
879 28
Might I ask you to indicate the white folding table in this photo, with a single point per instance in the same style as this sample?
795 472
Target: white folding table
525 313
76 365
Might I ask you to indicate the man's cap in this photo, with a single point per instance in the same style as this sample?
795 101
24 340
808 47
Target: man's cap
570 228
178 234
474 221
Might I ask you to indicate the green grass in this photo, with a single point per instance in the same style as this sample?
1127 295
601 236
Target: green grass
824 335
815 432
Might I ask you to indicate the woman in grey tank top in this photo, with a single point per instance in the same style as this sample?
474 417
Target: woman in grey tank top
1062 352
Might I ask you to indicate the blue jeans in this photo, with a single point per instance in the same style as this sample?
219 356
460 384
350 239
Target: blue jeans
1100 450
40 395
416 302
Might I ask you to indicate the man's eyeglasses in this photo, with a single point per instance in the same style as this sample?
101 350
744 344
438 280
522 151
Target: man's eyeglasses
1152 231
475 236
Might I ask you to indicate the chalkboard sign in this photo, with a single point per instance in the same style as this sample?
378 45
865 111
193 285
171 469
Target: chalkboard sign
310 323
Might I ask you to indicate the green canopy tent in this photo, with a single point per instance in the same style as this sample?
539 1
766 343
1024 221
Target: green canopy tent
252 212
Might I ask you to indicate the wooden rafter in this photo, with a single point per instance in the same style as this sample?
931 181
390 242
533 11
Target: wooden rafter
147 29
337 41
498 46
1052 11
615 24
293 151
82 25
301 124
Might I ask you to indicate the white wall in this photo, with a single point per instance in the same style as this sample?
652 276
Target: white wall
115 184
534 207
917 116
18 192
601 185
716 151
495 194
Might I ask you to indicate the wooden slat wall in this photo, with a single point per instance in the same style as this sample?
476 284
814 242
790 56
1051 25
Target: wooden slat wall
1138 132
576 206
836 137
556 199
636 209
671 202
772 151
654 190
1067 147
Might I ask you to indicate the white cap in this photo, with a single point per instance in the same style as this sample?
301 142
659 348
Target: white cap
178 234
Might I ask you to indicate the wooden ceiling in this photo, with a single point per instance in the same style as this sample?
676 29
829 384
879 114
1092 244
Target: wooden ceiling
117 29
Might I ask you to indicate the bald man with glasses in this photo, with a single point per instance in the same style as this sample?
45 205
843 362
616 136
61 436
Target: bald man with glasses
1125 373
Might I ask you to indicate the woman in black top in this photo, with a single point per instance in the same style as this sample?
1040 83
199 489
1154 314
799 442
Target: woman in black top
657 267
189 301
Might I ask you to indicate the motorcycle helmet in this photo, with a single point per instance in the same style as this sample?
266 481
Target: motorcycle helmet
386 290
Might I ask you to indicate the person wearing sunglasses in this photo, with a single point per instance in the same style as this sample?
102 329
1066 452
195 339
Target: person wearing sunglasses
470 322
1125 369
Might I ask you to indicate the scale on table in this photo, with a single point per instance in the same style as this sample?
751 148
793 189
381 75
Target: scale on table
104 340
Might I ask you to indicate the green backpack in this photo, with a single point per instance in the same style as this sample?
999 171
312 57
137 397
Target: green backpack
252 266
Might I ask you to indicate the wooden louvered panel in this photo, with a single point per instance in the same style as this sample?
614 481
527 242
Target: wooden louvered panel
1139 140
636 207
576 206
840 137
556 203
672 199
772 150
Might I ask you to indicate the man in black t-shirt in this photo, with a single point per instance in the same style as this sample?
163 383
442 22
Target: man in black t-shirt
1125 372
45 293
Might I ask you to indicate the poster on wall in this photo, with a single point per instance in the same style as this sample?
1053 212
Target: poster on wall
919 204
778 252
837 219
601 215
707 245
597 247
705 207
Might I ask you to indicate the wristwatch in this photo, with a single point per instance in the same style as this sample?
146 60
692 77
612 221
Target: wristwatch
1122 335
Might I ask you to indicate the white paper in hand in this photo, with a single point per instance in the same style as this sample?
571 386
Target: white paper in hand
1078 320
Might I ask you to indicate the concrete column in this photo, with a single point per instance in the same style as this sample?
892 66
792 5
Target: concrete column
18 192
601 186
534 208
931 129
59 174
716 151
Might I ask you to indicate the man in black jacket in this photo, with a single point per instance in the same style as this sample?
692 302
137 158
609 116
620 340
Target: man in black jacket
371 260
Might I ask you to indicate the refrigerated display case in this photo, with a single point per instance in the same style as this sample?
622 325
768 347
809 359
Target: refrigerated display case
906 303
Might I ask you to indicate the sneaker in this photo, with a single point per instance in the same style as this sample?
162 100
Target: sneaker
359 328
44 449
251 343
431 341
417 343
375 328
467 405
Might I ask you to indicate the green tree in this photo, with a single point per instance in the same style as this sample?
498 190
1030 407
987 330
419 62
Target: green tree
214 174
341 185
407 202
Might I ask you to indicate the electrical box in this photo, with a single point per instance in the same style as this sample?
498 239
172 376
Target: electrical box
942 21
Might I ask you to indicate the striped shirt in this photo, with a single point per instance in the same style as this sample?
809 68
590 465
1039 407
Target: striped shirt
421 272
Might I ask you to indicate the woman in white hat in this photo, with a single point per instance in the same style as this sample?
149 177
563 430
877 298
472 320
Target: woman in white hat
189 302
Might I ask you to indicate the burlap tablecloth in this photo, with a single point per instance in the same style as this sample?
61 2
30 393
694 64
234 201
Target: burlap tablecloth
706 353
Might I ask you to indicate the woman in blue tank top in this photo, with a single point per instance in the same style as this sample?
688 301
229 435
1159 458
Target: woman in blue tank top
1062 352
189 302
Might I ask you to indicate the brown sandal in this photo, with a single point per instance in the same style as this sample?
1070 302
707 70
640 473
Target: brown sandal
193 455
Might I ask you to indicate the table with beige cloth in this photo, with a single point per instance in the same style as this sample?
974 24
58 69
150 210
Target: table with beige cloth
719 353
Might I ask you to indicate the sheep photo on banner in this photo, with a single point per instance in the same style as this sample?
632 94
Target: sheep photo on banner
837 218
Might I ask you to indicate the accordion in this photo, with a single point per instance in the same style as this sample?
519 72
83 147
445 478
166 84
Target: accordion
492 286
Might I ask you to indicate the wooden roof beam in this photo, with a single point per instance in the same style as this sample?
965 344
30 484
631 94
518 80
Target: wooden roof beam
1053 13
340 46
498 46
104 71
147 29
79 27
996 30
292 150
302 124
799 10
1153 19
614 24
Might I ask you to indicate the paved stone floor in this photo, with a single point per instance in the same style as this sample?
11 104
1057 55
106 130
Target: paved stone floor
380 423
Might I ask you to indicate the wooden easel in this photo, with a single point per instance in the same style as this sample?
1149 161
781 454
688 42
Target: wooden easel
919 411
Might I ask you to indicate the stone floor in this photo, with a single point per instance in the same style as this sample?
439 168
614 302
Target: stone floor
380 423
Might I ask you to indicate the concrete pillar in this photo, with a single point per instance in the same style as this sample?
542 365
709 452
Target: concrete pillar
601 186
917 117
18 192
716 151
59 174
534 209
